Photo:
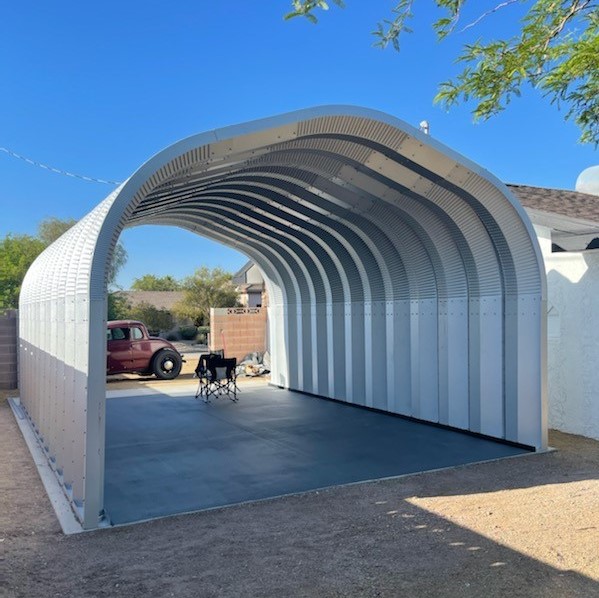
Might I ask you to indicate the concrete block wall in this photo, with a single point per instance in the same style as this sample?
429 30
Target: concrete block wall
239 330
8 350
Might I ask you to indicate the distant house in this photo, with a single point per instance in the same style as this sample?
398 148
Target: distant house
250 286
159 299
570 216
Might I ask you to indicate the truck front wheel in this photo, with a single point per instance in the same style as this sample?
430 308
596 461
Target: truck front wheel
166 364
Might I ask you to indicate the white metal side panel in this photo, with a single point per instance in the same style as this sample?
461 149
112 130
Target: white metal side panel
490 317
457 363
400 384
428 366
340 352
531 374
377 366
276 316
320 358
95 415
357 339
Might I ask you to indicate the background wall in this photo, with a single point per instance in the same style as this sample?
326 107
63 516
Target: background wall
573 338
8 349
238 330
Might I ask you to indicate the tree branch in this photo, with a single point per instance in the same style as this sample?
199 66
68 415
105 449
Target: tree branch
574 10
486 14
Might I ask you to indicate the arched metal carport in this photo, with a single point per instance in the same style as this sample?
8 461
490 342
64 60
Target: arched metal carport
401 277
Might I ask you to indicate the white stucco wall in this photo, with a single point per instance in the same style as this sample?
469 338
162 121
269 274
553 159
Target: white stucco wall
573 338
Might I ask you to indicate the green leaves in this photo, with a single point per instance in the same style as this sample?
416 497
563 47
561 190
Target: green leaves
388 31
556 52
17 253
50 229
305 8
119 307
151 282
205 289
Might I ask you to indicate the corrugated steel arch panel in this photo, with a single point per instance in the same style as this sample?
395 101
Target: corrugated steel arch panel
463 176
379 287
369 265
481 240
294 231
392 178
394 261
497 222
398 285
321 241
349 263
453 266
311 284
308 163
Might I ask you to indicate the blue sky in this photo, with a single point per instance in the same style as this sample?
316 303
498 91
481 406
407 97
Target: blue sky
97 88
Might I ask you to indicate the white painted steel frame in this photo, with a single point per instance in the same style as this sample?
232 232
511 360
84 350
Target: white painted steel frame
401 276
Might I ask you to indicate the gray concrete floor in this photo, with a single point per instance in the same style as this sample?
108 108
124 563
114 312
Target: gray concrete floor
173 454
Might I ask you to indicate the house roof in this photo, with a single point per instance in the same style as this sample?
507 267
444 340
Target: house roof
239 276
159 299
573 217
558 201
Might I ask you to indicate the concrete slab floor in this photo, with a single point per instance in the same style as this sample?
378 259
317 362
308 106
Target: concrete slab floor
174 454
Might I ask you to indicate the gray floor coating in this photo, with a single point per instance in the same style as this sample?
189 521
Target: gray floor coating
167 455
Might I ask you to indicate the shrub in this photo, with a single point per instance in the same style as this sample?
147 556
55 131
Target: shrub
154 318
188 332
202 337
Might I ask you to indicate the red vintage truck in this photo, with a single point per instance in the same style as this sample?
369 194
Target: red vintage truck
130 349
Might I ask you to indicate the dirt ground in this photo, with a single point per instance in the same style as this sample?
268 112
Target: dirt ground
526 526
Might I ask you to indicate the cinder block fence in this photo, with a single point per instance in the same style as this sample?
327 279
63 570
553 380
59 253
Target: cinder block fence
8 349
238 330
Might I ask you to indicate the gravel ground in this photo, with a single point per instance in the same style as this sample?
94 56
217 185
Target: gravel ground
526 526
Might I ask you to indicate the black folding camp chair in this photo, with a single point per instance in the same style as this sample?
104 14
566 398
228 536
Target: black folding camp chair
201 371
216 377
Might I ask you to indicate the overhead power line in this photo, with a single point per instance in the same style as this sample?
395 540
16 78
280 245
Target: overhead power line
57 170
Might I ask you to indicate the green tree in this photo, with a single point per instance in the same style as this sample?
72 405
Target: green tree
119 307
17 253
150 282
50 229
154 318
556 50
205 289
119 259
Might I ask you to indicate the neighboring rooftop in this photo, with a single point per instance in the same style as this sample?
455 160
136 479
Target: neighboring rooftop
159 299
248 274
558 201
573 217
